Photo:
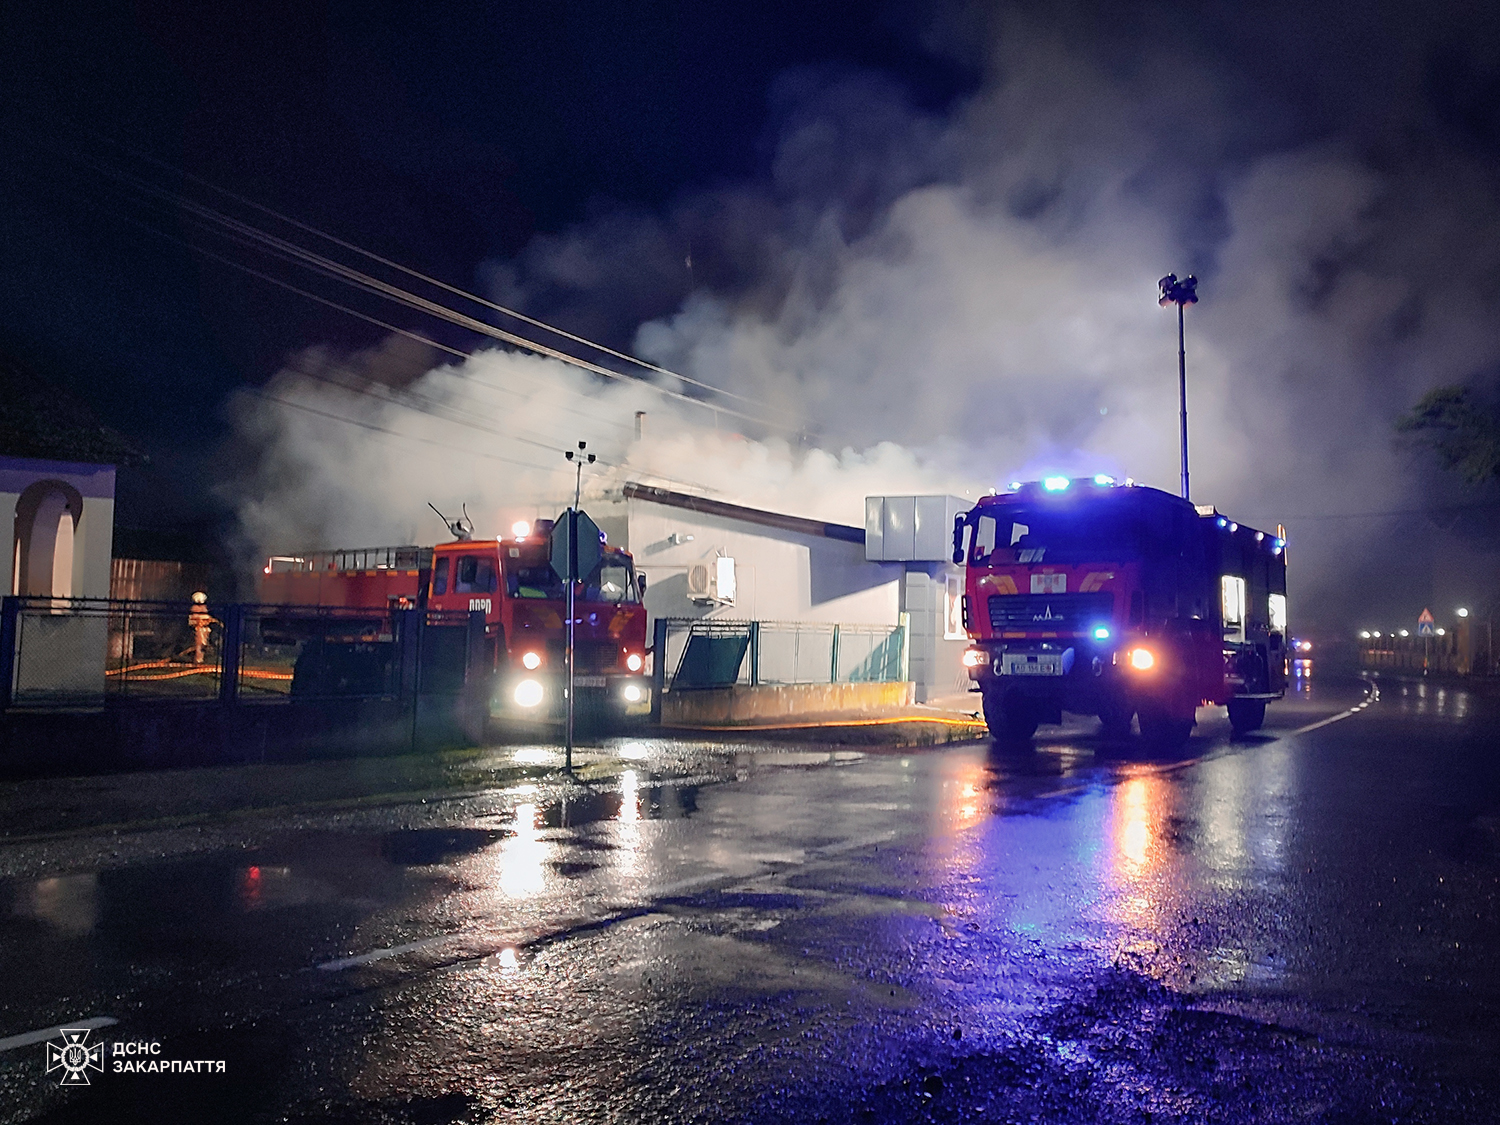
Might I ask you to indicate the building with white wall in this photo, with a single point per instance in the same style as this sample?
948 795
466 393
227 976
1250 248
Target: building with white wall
706 558
62 530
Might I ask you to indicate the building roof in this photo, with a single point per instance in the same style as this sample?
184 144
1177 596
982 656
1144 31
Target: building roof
704 505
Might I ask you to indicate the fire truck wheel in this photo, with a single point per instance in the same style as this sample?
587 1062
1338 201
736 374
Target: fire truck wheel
1165 729
1115 717
1246 715
1010 719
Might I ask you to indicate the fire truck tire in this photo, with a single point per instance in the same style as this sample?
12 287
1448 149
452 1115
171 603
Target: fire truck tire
1246 715
1115 716
1010 719
1166 729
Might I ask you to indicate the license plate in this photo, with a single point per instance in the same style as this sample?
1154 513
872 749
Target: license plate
1019 664
590 681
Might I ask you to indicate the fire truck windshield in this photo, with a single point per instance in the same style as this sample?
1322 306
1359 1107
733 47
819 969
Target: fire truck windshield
611 582
1023 535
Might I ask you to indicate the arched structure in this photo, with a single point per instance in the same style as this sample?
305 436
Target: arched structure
46 532
62 529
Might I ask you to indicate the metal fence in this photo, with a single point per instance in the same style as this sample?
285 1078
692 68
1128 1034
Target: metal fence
717 653
81 653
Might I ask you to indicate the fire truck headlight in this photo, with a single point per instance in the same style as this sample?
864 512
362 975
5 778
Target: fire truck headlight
632 693
520 529
528 693
634 661
532 661
1142 659
1101 633
976 658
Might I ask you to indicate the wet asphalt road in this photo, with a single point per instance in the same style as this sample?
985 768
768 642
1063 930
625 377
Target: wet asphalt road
1295 927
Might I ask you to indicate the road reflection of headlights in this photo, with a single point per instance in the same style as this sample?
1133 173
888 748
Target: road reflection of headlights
528 693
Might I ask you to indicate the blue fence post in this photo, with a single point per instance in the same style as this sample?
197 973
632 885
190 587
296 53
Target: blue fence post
229 654
755 654
833 670
10 611
658 666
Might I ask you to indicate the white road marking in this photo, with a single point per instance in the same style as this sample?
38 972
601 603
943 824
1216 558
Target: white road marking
1373 697
342 963
30 1037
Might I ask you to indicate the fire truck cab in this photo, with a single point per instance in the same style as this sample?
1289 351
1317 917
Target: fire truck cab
1117 600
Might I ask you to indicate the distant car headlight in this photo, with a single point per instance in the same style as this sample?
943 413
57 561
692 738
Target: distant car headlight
532 660
1142 659
632 693
529 693
634 661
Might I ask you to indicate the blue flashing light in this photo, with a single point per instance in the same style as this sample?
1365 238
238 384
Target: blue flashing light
1104 479
1101 633
1055 484
1015 486
1223 522
1278 542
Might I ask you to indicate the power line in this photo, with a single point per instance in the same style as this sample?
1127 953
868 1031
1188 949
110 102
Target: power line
253 237
386 430
438 283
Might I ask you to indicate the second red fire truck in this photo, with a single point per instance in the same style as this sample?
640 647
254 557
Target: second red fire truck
1092 597
509 580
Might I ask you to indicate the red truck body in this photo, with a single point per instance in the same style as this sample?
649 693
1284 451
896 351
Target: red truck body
511 582
1116 600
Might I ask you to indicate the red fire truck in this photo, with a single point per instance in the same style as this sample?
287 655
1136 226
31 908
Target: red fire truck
1116 600
511 581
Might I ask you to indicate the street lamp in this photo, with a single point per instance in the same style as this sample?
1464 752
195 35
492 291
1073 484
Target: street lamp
1180 293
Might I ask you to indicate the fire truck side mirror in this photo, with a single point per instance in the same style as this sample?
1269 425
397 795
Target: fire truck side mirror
640 584
958 539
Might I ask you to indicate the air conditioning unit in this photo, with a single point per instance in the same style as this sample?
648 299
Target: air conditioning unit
711 582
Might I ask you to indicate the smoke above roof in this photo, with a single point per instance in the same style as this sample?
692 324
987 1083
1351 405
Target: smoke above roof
948 300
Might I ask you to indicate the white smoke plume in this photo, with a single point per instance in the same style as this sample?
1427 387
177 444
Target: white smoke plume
948 303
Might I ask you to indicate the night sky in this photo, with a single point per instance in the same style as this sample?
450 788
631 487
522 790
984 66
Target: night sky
443 136
569 159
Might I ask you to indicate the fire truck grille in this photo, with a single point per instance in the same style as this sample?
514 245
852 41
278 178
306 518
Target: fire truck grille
593 655
1050 612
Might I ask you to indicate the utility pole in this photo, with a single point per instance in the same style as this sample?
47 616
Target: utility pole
577 458
1180 293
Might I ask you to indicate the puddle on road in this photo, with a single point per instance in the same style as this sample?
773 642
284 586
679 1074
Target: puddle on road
337 870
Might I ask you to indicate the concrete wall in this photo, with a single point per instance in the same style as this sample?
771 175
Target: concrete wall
36 494
936 662
725 706
779 575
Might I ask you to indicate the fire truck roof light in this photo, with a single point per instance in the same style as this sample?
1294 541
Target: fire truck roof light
1103 479
1015 486
521 529
1222 522
1055 484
